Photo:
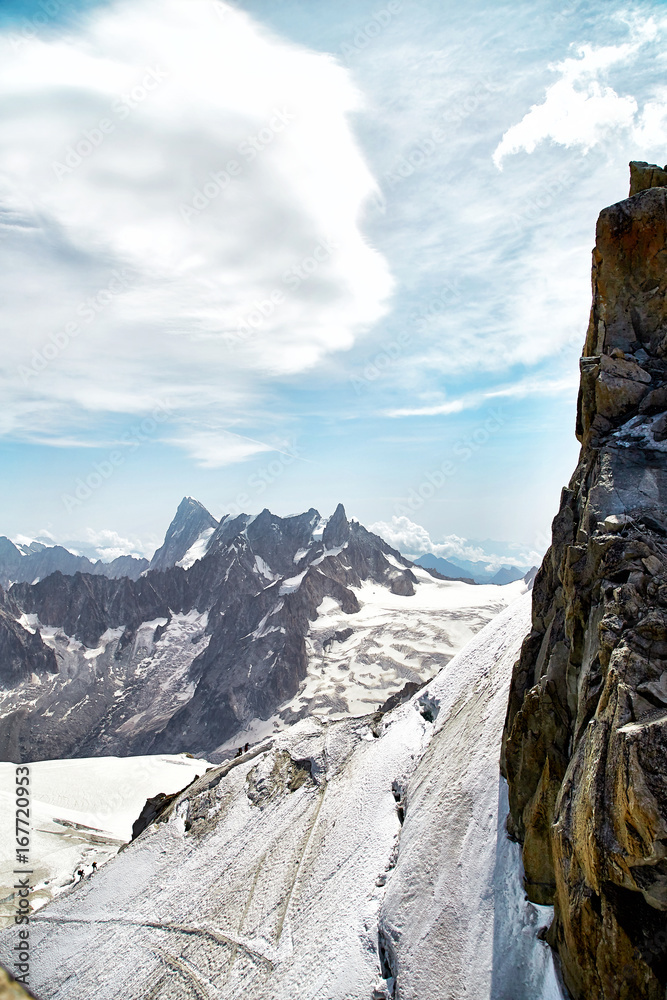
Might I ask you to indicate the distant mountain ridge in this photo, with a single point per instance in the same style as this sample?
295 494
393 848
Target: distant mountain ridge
33 562
469 570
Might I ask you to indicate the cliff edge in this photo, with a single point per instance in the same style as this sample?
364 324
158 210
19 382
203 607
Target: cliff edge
585 739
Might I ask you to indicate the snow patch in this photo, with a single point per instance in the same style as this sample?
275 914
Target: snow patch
197 550
265 569
336 551
318 529
292 584
29 622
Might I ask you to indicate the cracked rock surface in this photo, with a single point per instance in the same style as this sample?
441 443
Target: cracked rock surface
585 740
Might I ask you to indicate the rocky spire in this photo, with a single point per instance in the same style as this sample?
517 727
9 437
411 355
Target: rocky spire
585 739
189 523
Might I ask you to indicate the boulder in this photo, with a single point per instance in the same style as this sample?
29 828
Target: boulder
646 175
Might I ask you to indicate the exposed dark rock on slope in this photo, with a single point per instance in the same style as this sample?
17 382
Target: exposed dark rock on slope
585 742
183 658
21 652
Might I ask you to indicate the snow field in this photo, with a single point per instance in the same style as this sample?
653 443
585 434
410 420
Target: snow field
283 874
395 640
81 811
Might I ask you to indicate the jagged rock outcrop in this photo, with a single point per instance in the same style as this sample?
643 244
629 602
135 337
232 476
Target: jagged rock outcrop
646 175
585 741
22 652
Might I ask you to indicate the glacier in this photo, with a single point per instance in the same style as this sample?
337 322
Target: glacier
338 859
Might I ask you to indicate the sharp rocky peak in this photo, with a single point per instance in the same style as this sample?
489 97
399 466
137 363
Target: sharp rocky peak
189 524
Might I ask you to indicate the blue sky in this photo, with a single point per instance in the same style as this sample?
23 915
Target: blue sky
289 253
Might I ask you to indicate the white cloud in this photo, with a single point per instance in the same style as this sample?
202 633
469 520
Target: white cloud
651 129
42 535
578 109
109 545
414 540
185 189
214 449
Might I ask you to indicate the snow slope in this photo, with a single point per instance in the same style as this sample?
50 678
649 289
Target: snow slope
458 880
82 811
285 873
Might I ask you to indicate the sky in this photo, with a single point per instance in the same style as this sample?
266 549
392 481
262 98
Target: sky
290 253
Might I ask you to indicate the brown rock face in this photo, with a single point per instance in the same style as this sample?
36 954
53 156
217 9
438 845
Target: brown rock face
585 741
646 175
10 989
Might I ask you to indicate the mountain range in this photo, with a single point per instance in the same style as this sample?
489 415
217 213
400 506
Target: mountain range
472 572
34 561
225 627
187 539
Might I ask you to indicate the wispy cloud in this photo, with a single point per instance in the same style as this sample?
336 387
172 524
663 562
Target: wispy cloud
214 449
518 390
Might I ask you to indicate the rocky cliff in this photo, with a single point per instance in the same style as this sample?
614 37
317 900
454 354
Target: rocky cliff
585 740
